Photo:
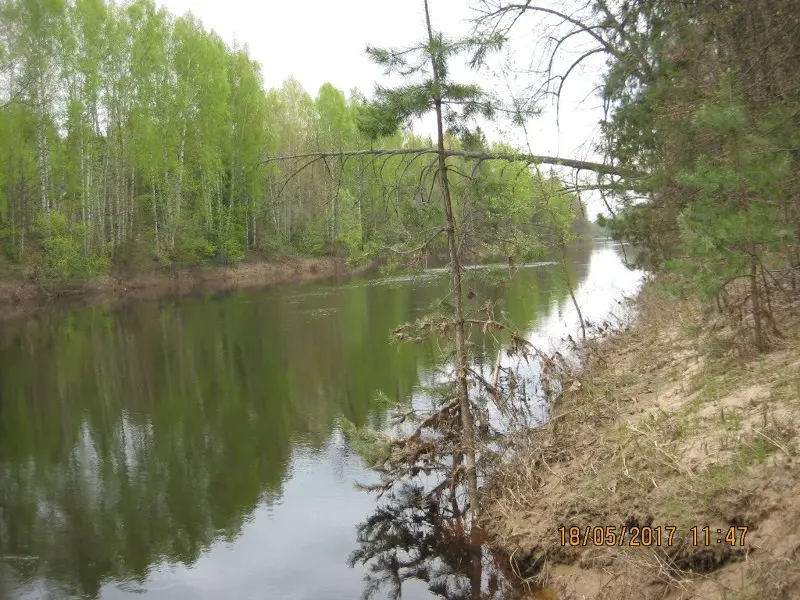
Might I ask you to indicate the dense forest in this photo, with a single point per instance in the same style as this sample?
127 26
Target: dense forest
702 103
701 116
132 139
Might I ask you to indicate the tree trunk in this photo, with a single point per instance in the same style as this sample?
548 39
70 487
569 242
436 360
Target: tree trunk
84 178
361 221
43 175
756 300
155 219
467 421
179 196
752 249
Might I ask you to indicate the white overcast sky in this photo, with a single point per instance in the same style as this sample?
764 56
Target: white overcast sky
318 41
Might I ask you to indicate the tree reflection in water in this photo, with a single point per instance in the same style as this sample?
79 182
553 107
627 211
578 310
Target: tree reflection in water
412 536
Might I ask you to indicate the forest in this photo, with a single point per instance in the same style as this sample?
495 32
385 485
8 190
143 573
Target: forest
134 140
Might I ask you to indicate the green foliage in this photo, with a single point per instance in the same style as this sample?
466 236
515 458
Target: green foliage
371 445
394 107
150 130
711 119
193 245
62 257
736 202
175 161
377 121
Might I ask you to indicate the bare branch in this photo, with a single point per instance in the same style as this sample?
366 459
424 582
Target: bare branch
529 159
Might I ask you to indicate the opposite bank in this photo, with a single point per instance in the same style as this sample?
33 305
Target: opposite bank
20 298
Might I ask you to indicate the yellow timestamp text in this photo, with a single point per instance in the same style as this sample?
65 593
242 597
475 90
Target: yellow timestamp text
664 535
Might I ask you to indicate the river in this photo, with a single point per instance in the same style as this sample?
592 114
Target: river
189 449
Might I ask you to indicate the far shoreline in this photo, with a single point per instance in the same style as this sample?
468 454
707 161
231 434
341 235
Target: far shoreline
23 298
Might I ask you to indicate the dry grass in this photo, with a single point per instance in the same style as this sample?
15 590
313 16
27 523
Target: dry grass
672 425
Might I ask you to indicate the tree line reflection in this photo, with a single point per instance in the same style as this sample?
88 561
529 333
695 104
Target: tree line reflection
134 437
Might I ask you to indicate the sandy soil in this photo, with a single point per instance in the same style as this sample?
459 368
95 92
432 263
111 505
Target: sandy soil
22 298
673 424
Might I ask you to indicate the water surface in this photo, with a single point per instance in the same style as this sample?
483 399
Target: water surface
188 449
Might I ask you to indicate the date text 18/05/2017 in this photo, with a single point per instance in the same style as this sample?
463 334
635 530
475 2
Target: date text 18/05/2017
664 535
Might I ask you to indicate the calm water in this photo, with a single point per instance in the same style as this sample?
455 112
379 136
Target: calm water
188 449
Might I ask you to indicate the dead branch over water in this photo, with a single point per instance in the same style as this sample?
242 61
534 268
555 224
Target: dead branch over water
530 159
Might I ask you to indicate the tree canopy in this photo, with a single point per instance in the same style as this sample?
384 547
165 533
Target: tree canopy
131 139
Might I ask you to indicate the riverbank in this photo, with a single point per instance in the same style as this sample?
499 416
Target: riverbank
672 423
24 298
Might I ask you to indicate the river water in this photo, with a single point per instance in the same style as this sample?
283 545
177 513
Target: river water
189 448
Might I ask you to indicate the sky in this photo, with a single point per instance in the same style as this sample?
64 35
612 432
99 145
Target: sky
318 41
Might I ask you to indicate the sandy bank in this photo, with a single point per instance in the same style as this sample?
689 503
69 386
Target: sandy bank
673 424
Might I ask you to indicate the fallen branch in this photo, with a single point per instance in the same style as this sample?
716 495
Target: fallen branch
529 159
